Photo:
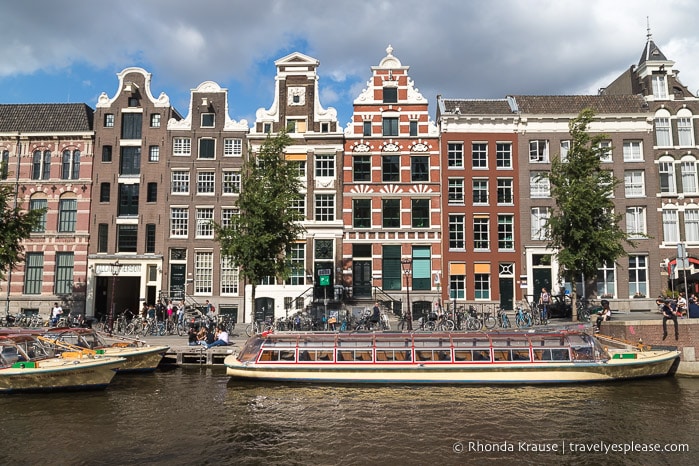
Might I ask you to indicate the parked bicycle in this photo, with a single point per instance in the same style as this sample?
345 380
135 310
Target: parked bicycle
503 319
258 327
523 317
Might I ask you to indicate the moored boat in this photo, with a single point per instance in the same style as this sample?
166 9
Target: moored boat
28 365
451 358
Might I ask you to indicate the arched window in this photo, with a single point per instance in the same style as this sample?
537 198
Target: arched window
41 165
70 168
38 202
685 128
67 213
663 132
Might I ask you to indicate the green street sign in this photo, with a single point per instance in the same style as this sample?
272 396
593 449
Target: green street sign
324 280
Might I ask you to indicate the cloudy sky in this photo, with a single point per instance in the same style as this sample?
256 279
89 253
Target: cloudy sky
70 51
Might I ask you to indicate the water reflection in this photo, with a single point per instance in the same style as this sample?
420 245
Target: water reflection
187 416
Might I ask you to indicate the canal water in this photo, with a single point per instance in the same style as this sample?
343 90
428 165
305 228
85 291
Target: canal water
187 416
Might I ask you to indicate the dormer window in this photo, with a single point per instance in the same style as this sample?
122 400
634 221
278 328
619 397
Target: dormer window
660 86
390 95
207 120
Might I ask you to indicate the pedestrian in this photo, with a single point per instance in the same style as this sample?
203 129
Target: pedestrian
544 302
669 314
56 313
221 338
681 305
604 314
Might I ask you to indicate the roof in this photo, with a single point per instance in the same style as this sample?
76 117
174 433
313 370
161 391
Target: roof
477 106
46 118
651 52
574 104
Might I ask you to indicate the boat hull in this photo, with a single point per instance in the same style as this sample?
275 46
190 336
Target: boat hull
60 375
140 359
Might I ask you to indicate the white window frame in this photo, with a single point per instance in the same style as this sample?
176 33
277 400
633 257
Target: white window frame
636 222
666 171
179 181
229 277
685 131
688 175
540 186
455 191
691 225
325 166
539 219
637 284
206 183
232 147
605 151
226 214
179 222
203 273
205 226
659 83
153 153
565 148
479 155
324 207
481 185
181 147
506 227
457 232
505 185
663 132
634 183
633 151
503 155
213 120
671 226
539 151
230 182
455 155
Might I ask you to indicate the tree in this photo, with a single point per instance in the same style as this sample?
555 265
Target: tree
15 227
258 239
584 228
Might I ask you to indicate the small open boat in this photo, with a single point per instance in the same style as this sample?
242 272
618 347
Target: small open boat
28 365
139 356
451 358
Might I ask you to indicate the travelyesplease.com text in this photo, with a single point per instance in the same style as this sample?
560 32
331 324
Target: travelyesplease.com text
569 447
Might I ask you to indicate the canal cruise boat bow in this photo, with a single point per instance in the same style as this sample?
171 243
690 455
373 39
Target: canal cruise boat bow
532 357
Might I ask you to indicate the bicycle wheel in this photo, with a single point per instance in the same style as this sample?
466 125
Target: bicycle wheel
490 322
249 331
473 324
449 325
430 325
584 315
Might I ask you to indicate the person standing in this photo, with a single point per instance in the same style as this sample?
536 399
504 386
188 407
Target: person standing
56 313
669 314
544 302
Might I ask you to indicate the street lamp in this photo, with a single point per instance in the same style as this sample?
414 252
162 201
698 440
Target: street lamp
115 268
407 265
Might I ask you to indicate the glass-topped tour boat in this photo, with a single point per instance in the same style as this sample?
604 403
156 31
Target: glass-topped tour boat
451 358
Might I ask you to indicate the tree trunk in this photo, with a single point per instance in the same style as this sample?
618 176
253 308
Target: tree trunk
252 308
574 300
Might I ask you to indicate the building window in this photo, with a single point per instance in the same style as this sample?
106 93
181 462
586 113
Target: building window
109 120
150 238
670 226
390 95
33 272
297 264
130 162
361 168
667 177
325 208
390 168
208 120
67 215
390 126
539 219
232 147
565 148
152 192
390 209
506 233
299 205
131 125
684 132
206 182
413 127
63 279
128 200
366 128
481 285
505 191
636 222
203 272
207 148
638 273
102 237
457 232
41 165
179 219
361 213
455 155
296 125
325 165
231 182
105 192
227 214
106 154
503 155
481 233
127 238
420 209
70 168
182 146
688 171
479 155
605 151
634 183
229 277
133 102
606 278
155 120
419 168
39 204
691 225
663 137
5 164
180 182
267 128
154 153
632 151
205 222
480 191
300 167
539 151
540 187
457 287
659 86
325 127
391 272
456 191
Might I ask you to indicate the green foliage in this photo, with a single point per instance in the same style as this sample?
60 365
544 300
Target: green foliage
259 238
15 227
583 227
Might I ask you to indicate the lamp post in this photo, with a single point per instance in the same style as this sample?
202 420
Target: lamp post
115 268
407 265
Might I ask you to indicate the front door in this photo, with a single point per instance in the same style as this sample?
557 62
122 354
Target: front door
507 286
177 280
361 279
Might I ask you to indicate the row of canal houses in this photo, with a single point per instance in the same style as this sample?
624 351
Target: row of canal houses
447 210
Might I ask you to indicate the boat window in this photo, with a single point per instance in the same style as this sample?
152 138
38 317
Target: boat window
581 353
278 355
9 355
362 355
463 355
392 355
250 350
500 354
553 354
